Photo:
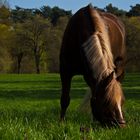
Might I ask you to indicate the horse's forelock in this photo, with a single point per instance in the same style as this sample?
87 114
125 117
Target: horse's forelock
113 93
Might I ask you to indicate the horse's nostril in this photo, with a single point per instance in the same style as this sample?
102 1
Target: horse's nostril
122 123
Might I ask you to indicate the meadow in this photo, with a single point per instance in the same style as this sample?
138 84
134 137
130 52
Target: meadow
29 110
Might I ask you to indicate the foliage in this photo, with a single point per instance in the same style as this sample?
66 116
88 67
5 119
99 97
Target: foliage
53 13
114 10
134 11
132 25
34 34
5 35
21 14
30 39
5 60
4 15
54 44
18 47
33 30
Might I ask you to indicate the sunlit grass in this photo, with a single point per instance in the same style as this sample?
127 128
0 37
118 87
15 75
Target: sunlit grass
29 110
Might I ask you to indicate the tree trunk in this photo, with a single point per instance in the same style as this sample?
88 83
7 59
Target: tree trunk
19 57
37 63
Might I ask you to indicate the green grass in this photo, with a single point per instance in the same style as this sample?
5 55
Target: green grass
29 110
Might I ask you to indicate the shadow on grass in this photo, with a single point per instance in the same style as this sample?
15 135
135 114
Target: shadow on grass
51 81
133 94
39 94
44 94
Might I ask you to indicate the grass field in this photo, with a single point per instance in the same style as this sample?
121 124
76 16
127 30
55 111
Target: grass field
29 110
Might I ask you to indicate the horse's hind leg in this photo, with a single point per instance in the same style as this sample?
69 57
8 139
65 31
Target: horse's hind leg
65 98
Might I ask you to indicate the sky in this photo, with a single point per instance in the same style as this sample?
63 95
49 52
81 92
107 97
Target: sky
73 5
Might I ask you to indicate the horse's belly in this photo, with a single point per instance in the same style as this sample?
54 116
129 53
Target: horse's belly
71 61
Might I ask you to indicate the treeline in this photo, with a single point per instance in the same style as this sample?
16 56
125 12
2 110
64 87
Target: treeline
30 39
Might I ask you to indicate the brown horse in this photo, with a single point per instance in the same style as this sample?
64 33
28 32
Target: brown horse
94 46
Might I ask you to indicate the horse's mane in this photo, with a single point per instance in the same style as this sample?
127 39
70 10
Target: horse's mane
97 48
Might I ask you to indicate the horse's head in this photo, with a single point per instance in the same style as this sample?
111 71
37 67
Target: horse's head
107 102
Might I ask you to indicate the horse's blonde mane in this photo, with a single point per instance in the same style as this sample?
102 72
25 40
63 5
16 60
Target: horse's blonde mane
97 48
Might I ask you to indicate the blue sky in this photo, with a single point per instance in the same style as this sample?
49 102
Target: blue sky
73 5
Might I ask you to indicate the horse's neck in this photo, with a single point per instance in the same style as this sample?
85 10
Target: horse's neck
99 60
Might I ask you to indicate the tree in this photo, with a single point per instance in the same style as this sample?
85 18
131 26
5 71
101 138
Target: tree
35 32
21 14
45 11
134 11
114 10
5 60
54 44
52 13
4 3
4 15
57 13
18 47
132 42
37 35
5 34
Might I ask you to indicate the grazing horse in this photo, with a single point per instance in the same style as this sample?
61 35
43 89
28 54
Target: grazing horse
93 45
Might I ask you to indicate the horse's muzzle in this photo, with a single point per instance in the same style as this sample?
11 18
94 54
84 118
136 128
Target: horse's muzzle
122 123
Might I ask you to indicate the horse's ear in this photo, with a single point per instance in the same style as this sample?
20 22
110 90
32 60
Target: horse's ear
108 79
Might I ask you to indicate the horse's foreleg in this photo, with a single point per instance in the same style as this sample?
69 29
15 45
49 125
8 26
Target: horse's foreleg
65 98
